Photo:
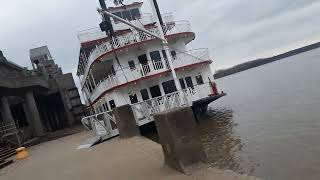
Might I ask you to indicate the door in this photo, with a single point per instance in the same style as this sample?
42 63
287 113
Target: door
189 82
155 91
143 60
169 87
156 60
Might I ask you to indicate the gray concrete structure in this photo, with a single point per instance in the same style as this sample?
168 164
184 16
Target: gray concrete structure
180 138
126 122
5 111
37 101
34 113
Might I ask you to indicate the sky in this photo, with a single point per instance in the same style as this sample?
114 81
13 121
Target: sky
233 30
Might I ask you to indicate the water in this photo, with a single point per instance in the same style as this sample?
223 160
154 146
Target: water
269 123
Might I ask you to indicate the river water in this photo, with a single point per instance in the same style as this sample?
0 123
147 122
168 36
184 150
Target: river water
269 123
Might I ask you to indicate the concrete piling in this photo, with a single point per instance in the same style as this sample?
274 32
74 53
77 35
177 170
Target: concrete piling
126 122
180 138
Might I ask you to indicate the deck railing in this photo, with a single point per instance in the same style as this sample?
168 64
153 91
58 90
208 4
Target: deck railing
131 38
101 125
145 110
95 33
104 124
150 68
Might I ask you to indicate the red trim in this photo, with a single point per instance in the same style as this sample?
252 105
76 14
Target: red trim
148 77
134 44
118 33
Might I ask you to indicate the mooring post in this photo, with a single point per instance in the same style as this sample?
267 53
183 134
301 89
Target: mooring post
180 138
126 122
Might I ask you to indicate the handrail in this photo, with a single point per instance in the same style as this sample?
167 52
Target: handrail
88 123
144 111
129 38
152 67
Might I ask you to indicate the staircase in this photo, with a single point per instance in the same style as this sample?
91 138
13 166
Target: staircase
5 156
9 137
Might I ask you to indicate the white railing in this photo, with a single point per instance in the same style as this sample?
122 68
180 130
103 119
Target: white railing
130 38
144 111
148 69
127 75
191 57
91 35
143 20
104 124
101 125
95 33
167 17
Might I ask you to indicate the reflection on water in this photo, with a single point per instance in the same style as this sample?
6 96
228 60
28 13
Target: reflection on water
221 143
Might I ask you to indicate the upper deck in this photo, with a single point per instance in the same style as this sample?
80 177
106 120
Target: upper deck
94 35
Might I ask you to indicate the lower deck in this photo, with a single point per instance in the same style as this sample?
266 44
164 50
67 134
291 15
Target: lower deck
199 78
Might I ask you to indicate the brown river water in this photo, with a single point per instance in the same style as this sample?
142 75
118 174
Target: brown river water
269 123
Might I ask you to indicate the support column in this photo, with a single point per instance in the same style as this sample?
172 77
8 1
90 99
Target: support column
67 106
28 115
34 114
180 138
5 111
126 122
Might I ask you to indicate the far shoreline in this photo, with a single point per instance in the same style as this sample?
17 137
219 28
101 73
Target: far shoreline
262 61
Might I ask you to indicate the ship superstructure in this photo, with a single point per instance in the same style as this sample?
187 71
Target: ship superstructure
132 67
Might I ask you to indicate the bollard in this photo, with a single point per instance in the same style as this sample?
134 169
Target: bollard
22 153
180 138
126 122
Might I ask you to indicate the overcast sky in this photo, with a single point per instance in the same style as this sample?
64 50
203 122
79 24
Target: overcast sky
233 30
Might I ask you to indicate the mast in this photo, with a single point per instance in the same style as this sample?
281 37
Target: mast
165 43
160 25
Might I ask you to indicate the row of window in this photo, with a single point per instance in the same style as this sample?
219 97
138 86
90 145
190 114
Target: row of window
155 57
168 87
143 59
129 15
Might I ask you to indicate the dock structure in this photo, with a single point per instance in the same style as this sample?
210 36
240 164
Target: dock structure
36 102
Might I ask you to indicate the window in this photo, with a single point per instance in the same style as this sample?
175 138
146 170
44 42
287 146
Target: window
143 60
199 79
133 98
119 15
132 66
164 54
174 54
169 87
135 14
155 55
105 105
126 15
111 71
182 84
156 58
144 94
101 109
189 81
155 91
165 58
112 104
